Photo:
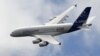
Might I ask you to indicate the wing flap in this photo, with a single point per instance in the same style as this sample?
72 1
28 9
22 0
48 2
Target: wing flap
48 38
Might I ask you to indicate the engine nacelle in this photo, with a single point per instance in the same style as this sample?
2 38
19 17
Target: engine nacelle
44 43
37 41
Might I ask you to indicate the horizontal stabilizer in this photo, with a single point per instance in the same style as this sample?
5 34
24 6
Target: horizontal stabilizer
90 19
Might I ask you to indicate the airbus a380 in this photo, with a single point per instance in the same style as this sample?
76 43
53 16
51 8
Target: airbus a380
45 34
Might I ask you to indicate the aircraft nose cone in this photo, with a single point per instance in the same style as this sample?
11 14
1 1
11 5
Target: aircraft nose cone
12 34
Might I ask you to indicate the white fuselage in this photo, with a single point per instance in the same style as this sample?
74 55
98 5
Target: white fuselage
54 29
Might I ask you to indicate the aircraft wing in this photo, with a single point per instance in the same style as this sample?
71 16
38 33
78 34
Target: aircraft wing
60 18
48 38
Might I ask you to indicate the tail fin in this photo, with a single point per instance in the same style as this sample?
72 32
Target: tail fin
83 17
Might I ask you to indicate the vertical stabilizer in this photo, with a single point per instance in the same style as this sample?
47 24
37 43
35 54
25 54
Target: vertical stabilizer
81 19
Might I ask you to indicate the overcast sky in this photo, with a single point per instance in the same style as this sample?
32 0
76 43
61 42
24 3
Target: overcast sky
26 13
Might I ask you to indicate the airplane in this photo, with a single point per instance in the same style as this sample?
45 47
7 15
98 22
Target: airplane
45 34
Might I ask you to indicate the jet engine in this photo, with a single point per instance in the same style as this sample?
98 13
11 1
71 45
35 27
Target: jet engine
44 43
37 41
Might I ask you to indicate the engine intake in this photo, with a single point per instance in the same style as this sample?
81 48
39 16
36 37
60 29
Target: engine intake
37 41
44 43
